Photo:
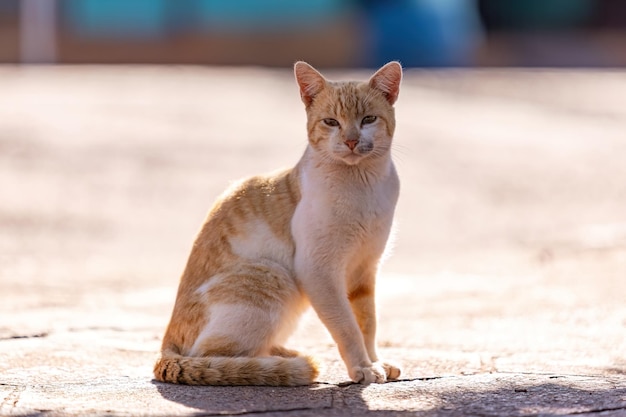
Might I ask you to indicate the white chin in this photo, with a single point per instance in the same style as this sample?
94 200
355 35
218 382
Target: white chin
352 159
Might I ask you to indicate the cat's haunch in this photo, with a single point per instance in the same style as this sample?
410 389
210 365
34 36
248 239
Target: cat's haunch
273 245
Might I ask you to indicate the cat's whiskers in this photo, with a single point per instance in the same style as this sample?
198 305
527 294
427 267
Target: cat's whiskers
399 151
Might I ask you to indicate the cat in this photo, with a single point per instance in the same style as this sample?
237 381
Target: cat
310 235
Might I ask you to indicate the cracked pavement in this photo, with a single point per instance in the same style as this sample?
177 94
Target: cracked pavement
505 294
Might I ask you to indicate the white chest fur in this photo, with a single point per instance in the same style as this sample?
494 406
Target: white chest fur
344 211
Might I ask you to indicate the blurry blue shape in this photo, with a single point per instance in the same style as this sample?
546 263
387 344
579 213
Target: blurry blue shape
540 14
264 15
422 33
117 18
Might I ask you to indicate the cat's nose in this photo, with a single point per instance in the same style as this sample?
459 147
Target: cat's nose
351 143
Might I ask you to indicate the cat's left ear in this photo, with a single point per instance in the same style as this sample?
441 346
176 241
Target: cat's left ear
309 80
387 79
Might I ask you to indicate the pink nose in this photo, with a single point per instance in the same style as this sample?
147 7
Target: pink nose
351 143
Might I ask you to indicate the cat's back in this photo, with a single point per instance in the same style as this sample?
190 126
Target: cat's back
260 210
251 221
246 233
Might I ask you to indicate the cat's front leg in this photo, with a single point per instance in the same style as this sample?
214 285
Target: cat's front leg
334 310
326 292
363 305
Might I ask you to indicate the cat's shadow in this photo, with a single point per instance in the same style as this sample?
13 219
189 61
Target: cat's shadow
419 396
317 399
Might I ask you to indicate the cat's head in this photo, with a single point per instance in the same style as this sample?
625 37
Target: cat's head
350 121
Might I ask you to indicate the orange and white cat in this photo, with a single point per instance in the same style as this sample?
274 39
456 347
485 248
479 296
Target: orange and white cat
310 235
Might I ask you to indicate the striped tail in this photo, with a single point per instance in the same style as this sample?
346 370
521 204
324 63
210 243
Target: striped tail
272 370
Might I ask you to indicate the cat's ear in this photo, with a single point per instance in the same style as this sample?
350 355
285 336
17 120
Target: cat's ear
387 79
309 80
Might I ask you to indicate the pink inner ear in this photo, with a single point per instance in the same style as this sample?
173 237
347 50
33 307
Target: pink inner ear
387 79
309 80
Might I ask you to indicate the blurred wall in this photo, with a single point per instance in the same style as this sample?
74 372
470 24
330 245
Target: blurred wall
590 33
337 33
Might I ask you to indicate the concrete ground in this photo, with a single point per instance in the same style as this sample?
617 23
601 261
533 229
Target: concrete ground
505 294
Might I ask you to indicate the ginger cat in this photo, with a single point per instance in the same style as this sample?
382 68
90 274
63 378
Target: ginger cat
310 235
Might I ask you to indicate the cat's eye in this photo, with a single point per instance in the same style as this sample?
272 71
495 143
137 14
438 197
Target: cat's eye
331 122
368 119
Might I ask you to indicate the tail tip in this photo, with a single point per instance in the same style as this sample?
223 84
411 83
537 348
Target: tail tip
307 370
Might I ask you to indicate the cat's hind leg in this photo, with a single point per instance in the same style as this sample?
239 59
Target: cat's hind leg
284 352
247 308
235 330
236 348
250 309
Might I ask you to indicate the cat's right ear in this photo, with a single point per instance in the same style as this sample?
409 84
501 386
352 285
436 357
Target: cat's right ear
387 80
309 80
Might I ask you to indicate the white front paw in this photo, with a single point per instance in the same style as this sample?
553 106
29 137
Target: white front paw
392 370
368 374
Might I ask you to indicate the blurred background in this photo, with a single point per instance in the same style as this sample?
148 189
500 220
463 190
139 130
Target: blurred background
511 226
328 33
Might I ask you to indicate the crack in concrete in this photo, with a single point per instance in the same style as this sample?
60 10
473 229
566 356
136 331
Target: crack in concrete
333 395
595 411
393 381
25 336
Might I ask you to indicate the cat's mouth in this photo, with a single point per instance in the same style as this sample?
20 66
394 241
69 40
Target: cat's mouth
354 156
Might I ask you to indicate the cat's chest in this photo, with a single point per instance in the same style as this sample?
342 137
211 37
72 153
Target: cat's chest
349 201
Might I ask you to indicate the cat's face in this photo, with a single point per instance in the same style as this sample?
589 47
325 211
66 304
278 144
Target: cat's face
350 122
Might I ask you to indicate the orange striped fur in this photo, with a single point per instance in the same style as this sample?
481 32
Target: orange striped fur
310 235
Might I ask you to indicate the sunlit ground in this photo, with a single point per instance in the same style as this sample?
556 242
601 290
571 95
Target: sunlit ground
510 247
